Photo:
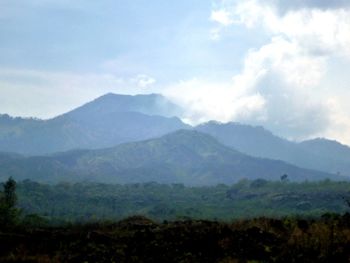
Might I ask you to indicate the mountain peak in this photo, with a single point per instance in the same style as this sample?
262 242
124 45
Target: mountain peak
323 144
112 95
149 104
321 140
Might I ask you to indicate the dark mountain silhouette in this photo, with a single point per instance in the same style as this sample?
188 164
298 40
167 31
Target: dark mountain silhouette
185 156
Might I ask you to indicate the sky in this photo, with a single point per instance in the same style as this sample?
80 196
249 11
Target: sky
281 64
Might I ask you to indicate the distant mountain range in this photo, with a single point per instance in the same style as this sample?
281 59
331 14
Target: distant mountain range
185 156
101 128
105 122
320 154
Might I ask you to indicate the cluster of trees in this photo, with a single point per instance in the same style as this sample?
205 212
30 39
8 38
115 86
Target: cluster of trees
246 199
23 238
11 216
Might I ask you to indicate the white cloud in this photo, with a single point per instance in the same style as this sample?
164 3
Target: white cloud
274 89
205 100
143 80
317 30
289 71
340 120
222 17
287 5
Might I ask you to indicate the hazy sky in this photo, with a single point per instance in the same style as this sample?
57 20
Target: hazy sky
278 63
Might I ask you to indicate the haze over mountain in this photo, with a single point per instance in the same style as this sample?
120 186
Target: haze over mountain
151 104
185 156
320 154
114 119
104 122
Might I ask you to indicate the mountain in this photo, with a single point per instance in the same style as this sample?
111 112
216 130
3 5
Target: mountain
251 140
319 154
114 119
185 156
331 155
107 121
149 104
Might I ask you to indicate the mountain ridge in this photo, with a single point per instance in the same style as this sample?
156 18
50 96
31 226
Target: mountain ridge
184 156
113 119
108 120
331 156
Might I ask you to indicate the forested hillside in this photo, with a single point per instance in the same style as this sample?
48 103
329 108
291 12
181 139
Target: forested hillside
246 199
114 119
321 154
184 156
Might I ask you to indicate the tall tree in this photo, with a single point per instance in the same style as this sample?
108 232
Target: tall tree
8 200
10 196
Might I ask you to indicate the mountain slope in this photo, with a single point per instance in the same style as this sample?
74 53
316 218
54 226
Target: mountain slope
184 156
325 155
331 155
251 140
104 122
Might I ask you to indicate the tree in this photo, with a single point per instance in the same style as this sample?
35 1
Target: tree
284 178
10 196
8 200
258 183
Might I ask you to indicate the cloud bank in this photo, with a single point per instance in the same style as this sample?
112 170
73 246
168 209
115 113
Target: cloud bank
282 82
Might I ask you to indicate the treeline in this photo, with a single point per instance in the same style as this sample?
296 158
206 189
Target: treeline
26 237
86 202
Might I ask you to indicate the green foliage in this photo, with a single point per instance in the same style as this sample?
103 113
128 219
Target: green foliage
185 156
297 233
34 221
246 199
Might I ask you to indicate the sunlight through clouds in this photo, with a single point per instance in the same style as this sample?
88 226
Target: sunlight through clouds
291 68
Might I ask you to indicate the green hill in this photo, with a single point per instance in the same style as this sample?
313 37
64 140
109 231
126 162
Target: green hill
185 156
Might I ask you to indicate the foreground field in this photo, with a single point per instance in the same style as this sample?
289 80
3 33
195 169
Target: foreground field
138 239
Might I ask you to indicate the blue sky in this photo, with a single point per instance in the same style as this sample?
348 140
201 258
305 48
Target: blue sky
165 38
275 63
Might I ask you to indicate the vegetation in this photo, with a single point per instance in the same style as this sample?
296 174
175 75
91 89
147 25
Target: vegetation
319 154
32 238
91 201
188 157
8 199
